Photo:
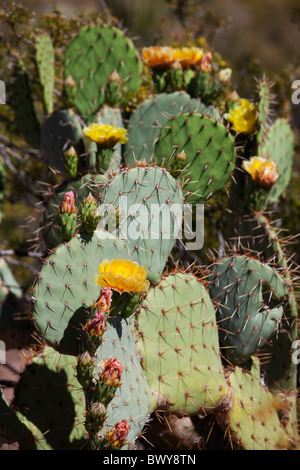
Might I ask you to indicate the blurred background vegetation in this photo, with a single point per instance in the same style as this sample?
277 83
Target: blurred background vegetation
254 38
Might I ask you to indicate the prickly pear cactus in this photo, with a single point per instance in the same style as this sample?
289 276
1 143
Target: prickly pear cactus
132 326
91 57
249 298
151 116
148 202
279 147
210 152
60 307
178 340
253 418
45 64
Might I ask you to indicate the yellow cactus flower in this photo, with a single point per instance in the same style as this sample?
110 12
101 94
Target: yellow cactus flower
158 57
242 116
188 57
122 275
105 135
263 172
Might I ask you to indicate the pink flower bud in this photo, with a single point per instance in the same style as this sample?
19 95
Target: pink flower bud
111 372
104 299
96 325
205 65
68 203
119 433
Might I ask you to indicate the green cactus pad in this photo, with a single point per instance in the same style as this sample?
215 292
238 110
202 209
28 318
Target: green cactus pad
45 65
263 110
210 150
178 340
50 403
147 120
150 203
66 287
94 54
133 400
254 422
279 148
249 297
60 131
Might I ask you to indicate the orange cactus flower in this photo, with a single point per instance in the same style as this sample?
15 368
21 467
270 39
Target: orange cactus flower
263 172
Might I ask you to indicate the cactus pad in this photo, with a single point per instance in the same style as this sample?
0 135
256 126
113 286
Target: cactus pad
279 147
250 297
210 150
178 339
149 201
147 120
45 65
66 287
254 422
133 400
92 56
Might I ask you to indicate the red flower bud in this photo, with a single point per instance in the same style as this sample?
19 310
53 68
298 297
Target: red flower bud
96 325
205 65
111 372
104 299
119 433
68 203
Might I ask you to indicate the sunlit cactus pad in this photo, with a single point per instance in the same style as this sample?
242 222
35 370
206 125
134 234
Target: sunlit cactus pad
152 115
254 419
178 339
149 204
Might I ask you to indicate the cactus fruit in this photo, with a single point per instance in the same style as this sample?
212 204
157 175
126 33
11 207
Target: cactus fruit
149 203
210 150
178 340
91 57
149 118
45 64
250 296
